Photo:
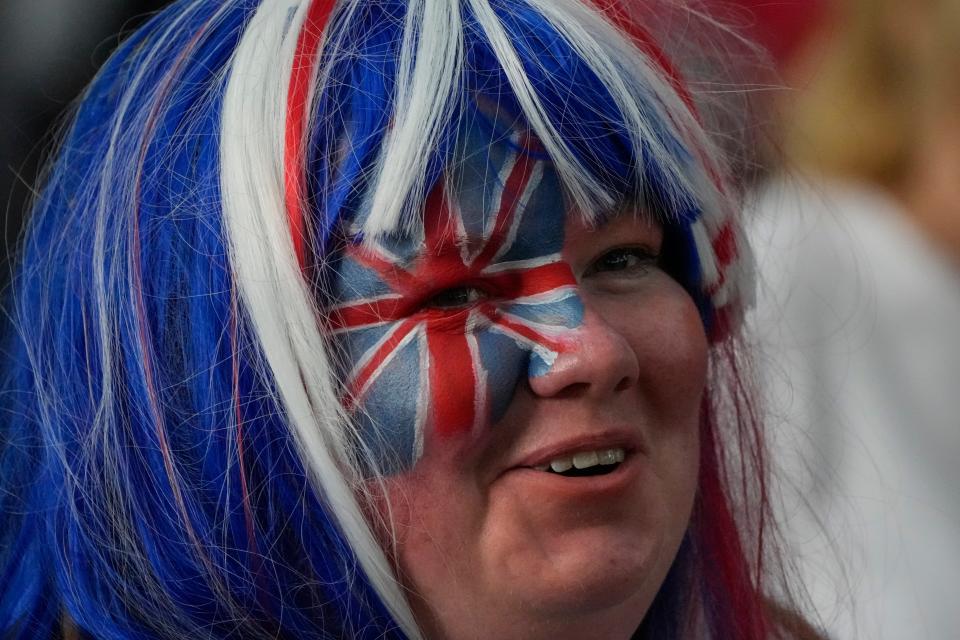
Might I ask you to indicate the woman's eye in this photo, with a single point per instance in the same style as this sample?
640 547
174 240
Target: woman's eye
624 259
455 297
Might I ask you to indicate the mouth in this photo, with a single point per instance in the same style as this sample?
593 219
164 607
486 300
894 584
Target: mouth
595 462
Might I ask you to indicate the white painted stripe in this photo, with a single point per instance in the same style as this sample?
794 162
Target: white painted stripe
547 297
520 265
548 330
372 351
364 301
341 330
504 174
480 376
524 342
536 176
423 393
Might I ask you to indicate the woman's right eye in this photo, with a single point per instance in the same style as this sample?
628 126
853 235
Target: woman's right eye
455 298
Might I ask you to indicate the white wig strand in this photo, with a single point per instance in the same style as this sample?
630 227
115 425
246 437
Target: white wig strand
431 56
272 288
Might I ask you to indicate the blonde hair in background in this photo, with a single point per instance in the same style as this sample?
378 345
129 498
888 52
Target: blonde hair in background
881 70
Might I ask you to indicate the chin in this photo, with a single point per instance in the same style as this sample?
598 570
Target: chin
580 570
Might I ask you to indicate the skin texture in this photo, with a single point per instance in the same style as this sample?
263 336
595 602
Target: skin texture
492 548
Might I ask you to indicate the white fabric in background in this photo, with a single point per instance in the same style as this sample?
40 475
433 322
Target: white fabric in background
858 320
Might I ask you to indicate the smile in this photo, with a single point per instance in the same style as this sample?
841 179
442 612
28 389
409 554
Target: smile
585 463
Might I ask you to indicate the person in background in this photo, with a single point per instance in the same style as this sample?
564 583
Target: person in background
50 50
859 267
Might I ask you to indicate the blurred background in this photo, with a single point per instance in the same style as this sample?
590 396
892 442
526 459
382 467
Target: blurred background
49 50
855 218
856 227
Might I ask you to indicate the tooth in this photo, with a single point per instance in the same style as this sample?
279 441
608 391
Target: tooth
608 456
620 455
561 464
586 459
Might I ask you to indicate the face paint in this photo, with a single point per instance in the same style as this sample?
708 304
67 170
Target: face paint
438 330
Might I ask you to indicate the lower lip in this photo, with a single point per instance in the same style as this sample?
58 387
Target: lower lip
558 485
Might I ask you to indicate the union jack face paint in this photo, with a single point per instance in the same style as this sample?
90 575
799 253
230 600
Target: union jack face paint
437 330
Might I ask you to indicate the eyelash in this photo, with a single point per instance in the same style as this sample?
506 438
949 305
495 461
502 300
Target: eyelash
643 259
447 299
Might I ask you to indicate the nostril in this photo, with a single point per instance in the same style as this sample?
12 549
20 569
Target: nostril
574 390
624 384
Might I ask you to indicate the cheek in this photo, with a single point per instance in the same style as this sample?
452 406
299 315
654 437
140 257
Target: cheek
427 519
672 349
438 388
666 333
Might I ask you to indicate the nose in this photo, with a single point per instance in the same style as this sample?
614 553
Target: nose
597 361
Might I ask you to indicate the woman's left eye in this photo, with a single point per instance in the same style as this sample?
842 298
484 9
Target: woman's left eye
626 260
455 297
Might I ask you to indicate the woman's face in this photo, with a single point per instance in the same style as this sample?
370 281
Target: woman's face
533 388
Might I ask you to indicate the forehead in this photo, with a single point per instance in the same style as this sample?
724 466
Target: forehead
499 183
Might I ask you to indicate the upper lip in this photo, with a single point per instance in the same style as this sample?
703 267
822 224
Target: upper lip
627 439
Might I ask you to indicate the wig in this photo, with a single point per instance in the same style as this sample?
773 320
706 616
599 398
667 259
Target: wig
177 460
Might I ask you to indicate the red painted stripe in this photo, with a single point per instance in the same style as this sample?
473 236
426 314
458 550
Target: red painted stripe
533 280
439 229
298 97
453 383
368 312
513 188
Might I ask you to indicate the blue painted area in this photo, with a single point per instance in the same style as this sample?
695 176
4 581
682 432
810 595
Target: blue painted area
567 312
505 363
403 246
541 226
351 280
474 179
358 342
538 366
389 416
